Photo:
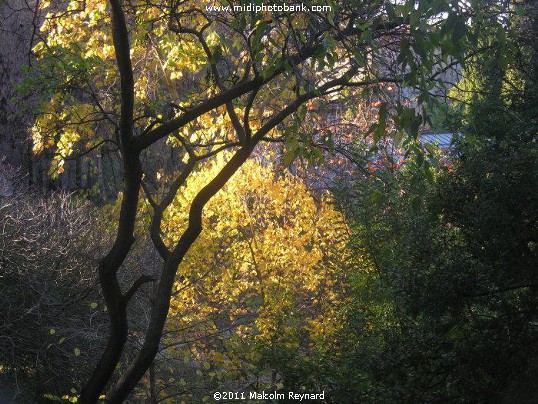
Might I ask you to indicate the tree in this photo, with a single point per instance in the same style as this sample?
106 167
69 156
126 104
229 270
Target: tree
449 313
260 285
206 80
444 307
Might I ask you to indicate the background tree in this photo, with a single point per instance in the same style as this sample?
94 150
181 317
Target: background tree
449 313
446 308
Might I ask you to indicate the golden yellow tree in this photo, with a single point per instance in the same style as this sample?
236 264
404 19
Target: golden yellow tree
134 74
262 281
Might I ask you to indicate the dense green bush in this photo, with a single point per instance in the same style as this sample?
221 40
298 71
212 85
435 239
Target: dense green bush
450 310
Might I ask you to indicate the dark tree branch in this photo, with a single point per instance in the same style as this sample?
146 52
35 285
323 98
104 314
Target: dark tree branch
161 303
132 175
222 98
156 220
137 285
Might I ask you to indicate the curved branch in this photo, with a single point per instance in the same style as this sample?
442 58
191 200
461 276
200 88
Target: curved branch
136 285
120 36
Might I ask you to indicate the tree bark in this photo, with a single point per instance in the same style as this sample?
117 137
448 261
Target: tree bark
115 300
109 266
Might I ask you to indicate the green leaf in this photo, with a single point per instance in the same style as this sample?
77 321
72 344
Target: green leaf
216 55
77 352
291 152
272 69
257 44
376 197
415 204
428 171
459 31
420 159
430 148
391 12
414 18
51 397
418 47
379 128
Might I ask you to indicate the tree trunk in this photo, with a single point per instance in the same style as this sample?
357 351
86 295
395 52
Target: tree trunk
111 356
161 303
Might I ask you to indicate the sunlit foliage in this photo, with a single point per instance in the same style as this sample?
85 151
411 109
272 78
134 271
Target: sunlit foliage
261 288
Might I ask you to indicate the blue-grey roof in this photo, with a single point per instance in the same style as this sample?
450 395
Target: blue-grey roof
443 140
